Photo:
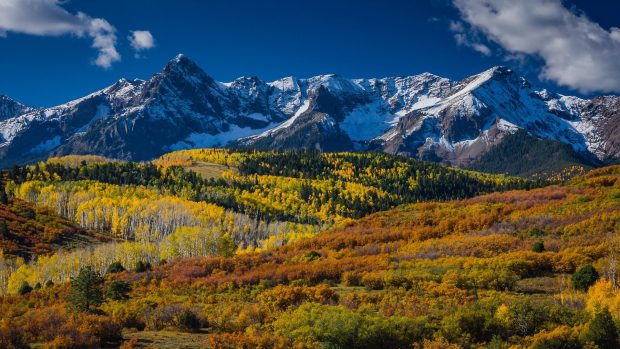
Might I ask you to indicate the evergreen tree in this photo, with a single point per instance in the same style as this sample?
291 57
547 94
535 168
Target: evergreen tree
3 197
188 321
584 277
4 228
537 232
538 247
115 267
24 288
142 266
117 290
601 331
86 290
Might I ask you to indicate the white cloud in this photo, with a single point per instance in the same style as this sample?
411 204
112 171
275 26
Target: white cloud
576 51
48 18
469 39
141 40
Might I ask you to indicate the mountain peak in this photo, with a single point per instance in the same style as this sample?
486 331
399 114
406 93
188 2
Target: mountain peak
500 69
181 61
507 75
284 84
7 99
334 83
179 57
497 73
124 87
10 107
181 67
501 72
428 75
248 80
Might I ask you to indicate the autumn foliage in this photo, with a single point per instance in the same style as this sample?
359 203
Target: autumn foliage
430 274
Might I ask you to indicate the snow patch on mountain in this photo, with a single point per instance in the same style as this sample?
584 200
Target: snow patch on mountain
103 111
10 128
506 126
285 124
368 122
46 145
465 90
425 102
334 84
207 140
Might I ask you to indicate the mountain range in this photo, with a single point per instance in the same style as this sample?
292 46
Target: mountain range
425 116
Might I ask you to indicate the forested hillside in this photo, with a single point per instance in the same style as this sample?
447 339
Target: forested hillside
27 231
521 154
233 249
521 269
298 186
254 201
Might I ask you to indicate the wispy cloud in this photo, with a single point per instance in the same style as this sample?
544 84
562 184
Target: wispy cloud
49 18
468 38
577 52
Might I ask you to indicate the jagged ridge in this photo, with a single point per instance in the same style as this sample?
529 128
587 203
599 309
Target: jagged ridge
426 116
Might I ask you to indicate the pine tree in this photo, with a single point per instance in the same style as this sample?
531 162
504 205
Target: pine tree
25 288
188 321
4 228
584 277
601 331
117 290
86 290
3 197
538 247
115 267
142 266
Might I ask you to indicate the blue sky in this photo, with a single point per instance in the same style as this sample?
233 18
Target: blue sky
48 57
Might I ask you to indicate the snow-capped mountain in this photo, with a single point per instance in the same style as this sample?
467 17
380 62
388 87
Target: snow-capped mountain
10 108
435 118
480 111
426 116
179 107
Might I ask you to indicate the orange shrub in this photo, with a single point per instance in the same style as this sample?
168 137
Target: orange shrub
281 297
244 341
